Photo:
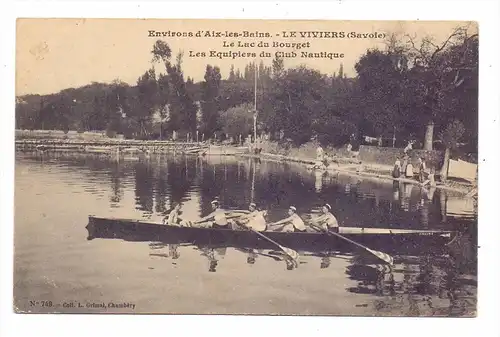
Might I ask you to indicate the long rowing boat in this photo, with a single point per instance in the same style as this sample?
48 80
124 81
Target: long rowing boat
389 240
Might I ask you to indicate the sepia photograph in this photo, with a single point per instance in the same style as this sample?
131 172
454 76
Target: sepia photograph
246 167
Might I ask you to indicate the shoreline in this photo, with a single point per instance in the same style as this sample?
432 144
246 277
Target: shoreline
363 170
349 166
108 145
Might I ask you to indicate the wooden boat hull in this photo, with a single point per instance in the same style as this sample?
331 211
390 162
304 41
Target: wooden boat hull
396 242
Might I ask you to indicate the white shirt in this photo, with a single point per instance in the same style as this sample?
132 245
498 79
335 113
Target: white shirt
330 220
220 217
319 153
257 222
408 147
409 170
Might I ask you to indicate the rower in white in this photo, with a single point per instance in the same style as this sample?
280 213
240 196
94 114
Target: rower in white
255 219
326 221
292 223
217 218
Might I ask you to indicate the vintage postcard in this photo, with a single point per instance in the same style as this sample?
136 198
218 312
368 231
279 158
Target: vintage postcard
246 167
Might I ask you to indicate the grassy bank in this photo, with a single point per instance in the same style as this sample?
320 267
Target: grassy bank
307 152
341 160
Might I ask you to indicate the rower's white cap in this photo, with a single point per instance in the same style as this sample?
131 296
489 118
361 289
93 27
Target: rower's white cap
293 208
253 204
328 206
215 202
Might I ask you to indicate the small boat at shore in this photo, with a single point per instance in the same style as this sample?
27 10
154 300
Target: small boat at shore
387 239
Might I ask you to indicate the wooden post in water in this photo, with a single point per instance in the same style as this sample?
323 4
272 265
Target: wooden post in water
443 203
252 192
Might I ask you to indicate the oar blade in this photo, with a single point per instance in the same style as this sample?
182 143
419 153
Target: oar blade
290 252
383 256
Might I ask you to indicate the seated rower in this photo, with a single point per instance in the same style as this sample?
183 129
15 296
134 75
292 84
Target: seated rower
217 218
173 218
293 223
255 219
326 221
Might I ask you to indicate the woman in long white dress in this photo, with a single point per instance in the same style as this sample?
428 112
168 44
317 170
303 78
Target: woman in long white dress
409 170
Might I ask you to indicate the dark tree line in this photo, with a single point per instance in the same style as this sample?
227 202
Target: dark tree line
413 89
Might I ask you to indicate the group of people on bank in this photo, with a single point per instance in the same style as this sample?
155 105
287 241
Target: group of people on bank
255 219
406 169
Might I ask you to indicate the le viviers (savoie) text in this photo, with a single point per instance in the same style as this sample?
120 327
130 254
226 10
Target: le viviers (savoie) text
252 44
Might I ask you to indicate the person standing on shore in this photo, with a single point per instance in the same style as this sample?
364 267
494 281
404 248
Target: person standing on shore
409 170
396 172
319 153
319 157
421 169
408 147
406 159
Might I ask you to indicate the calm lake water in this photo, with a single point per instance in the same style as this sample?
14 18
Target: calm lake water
58 270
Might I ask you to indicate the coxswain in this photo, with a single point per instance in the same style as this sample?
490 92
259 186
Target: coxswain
326 221
173 219
292 223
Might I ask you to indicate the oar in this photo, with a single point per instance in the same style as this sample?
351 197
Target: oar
383 256
288 251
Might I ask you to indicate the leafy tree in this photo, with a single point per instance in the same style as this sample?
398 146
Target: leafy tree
182 107
232 75
379 81
163 99
182 110
333 130
297 97
234 93
237 121
147 99
341 71
278 67
438 71
238 75
410 88
161 52
210 98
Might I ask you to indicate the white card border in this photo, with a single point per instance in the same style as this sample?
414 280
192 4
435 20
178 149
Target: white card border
485 12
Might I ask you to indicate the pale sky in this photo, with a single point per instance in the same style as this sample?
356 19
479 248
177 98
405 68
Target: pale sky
54 54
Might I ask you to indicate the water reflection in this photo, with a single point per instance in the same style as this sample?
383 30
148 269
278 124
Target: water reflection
236 182
416 285
173 250
209 253
253 254
325 262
